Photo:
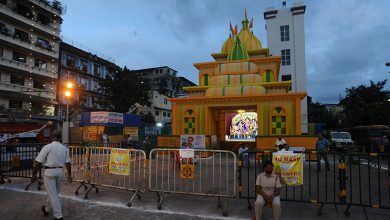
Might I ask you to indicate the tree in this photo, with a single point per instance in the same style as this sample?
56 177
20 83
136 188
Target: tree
318 113
367 105
122 90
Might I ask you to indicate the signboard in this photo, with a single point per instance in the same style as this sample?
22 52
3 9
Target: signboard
186 153
187 171
289 166
92 133
119 161
106 117
132 131
192 141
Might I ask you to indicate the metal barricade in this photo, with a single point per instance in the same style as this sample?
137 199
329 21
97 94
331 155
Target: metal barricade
18 161
367 182
324 187
213 174
97 172
79 167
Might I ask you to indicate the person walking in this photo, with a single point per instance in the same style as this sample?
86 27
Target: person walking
53 157
322 146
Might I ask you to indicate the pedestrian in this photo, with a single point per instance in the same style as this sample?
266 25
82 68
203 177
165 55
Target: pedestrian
322 146
280 143
243 154
268 188
105 139
53 157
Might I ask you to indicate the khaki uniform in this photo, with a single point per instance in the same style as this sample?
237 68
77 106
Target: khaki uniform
53 156
268 185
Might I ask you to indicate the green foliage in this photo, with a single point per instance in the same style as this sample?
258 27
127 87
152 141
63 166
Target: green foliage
122 90
367 105
148 119
318 113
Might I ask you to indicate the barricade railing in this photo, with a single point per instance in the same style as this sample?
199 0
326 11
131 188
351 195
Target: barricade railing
96 172
323 187
209 173
17 160
367 180
79 165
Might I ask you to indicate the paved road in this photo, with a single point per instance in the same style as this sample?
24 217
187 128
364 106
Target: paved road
15 203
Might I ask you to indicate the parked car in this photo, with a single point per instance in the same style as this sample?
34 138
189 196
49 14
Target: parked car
339 140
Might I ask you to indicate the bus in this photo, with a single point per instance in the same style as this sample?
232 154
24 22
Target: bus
374 138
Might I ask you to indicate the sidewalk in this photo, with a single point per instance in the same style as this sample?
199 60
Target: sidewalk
16 203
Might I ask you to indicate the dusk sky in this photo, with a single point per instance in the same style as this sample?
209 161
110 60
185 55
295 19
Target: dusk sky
347 41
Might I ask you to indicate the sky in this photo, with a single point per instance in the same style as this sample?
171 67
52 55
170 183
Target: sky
347 41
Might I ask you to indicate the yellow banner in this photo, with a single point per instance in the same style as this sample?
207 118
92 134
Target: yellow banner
132 131
119 161
187 171
289 166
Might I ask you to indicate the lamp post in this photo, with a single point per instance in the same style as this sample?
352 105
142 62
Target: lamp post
65 129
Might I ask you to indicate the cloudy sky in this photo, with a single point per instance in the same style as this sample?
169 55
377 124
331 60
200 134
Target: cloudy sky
347 41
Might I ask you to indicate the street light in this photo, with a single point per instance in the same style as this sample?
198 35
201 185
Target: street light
68 94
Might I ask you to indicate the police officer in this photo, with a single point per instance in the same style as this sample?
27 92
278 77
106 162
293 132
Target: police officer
53 157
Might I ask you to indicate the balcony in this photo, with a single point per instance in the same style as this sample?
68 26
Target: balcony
28 68
51 28
28 90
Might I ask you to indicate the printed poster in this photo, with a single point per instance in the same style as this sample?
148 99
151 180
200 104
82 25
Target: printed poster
119 161
187 171
106 117
192 141
186 153
289 166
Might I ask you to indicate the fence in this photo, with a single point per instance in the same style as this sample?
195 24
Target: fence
353 180
94 172
17 161
210 173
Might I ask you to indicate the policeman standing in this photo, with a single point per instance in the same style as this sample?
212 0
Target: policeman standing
53 157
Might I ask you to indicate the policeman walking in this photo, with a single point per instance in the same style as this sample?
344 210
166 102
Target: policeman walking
53 157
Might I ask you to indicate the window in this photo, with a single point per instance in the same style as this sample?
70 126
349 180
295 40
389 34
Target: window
157 113
278 121
40 63
96 70
17 80
286 77
70 60
19 57
42 43
189 122
169 114
38 84
84 65
15 104
165 101
1 52
22 35
164 114
286 58
43 19
24 11
284 33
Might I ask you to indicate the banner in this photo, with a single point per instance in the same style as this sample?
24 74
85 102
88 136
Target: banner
192 141
132 131
106 117
119 161
187 153
289 166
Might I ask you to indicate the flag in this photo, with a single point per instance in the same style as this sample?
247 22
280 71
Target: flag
235 30
251 23
231 28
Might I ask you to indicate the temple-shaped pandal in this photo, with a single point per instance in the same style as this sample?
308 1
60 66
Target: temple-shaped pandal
239 96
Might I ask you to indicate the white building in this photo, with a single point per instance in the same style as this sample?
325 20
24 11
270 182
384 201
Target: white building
29 51
286 38
160 107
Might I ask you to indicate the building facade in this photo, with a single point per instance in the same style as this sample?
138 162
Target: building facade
164 84
85 70
29 52
286 38
239 96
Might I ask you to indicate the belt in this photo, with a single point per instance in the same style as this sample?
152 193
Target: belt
52 167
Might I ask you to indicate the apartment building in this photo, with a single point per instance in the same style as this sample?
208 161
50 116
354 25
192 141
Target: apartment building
29 52
85 69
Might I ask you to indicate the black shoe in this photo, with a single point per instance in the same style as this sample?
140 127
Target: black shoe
43 209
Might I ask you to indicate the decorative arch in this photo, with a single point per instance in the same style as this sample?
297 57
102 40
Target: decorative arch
278 121
268 76
189 122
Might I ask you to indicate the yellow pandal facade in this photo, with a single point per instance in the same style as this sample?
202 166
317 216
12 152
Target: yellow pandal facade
243 78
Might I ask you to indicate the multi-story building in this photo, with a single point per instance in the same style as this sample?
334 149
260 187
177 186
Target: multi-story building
85 70
164 84
286 38
29 51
